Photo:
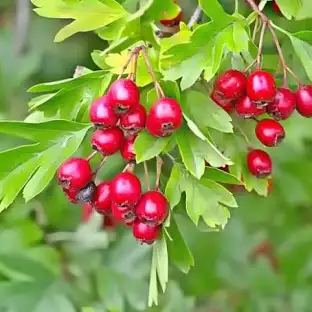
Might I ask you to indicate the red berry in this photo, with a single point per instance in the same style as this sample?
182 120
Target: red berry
108 141
283 105
244 107
270 132
152 208
87 210
231 84
109 223
227 105
103 198
304 100
123 94
75 173
261 87
164 117
259 163
172 22
71 195
102 114
127 149
85 195
125 215
145 233
276 8
126 190
134 121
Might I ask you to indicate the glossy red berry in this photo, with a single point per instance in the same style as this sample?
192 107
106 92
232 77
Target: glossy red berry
103 198
283 104
71 195
227 105
247 109
102 114
75 173
259 163
126 216
164 117
87 210
134 121
231 84
270 132
172 22
126 190
261 87
127 149
145 233
123 94
304 100
107 141
152 208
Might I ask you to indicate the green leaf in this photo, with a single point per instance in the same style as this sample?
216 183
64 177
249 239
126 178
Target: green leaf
213 9
201 109
31 167
179 252
88 15
221 176
162 261
289 8
147 146
153 287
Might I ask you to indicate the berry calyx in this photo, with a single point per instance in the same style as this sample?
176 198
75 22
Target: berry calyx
227 105
152 208
133 121
270 132
246 108
164 118
304 100
123 94
126 190
103 198
102 114
283 105
124 215
172 22
261 87
127 149
107 141
145 233
231 84
259 163
75 173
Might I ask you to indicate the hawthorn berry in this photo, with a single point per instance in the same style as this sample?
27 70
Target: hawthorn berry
71 195
127 148
133 121
87 210
145 233
259 163
124 215
126 190
227 105
261 87
103 198
152 208
109 223
231 84
164 117
74 173
172 22
107 141
283 105
246 108
304 100
123 94
270 132
102 114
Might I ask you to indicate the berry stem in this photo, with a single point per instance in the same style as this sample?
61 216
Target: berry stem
147 179
135 66
243 134
100 165
91 156
131 55
261 39
159 90
255 30
250 66
159 164
195 17
294 75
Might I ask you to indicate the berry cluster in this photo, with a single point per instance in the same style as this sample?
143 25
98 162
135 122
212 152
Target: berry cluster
118 118
255 95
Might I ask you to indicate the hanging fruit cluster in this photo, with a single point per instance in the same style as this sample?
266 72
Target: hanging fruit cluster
118 117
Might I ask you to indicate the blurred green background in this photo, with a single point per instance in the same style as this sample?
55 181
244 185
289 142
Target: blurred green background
262 261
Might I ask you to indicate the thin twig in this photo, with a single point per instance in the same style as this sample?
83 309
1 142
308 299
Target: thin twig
195 17
294 75
254 33
131 55
250 66
159 164
91 156
135 66
147 179
260 47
